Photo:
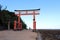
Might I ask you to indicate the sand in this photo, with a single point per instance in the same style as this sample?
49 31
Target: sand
17 35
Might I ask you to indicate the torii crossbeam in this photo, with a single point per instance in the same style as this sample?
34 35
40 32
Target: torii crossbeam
26 12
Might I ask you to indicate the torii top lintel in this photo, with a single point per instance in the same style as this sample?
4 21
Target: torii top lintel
26 12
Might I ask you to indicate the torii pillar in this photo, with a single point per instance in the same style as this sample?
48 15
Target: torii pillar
19 22
34 21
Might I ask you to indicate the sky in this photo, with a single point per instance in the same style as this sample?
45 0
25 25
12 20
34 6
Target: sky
49 17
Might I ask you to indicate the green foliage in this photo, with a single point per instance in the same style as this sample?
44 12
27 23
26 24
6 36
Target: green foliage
6 16
23 24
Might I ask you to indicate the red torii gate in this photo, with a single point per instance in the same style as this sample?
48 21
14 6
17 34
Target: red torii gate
26 12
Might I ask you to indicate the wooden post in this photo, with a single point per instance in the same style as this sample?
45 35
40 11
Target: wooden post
9 25
14 24
20 26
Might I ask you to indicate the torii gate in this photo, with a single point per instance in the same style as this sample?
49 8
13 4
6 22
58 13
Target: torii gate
26 12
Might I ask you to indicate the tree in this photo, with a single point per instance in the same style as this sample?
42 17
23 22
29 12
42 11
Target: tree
2 7
6 16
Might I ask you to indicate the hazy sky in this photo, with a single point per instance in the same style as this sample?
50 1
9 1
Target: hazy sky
49 17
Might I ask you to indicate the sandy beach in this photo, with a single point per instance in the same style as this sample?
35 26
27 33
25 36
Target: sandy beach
17 35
